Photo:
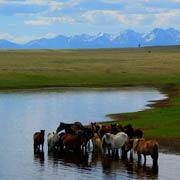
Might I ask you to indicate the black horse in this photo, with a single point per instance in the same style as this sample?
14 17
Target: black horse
70 128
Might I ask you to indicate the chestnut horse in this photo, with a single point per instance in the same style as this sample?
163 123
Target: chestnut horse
146 147
38 138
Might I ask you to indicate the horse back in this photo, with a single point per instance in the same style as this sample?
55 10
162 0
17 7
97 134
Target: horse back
38 137
148 147
151 144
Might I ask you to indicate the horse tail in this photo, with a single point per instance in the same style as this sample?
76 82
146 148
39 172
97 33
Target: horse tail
99 130
155 153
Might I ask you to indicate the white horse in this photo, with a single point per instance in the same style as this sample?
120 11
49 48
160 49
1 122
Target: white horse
115 142
53 141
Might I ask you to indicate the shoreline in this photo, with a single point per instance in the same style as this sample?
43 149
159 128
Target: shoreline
167 144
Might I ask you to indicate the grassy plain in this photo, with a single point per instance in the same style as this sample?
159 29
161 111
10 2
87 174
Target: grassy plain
151 66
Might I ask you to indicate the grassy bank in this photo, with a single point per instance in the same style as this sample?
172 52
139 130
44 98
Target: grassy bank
104 67
150 66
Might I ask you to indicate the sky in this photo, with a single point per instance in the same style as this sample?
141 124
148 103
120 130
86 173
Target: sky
24 20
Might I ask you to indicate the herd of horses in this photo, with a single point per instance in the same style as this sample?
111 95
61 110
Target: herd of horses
108 139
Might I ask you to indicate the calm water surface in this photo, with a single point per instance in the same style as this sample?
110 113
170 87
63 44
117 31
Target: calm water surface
23 113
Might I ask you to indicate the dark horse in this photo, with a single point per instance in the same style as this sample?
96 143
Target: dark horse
70 128
132 132
76 142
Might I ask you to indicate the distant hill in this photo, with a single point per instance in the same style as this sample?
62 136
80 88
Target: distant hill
128 38
4 44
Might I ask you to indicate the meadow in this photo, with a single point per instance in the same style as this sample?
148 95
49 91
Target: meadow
157 67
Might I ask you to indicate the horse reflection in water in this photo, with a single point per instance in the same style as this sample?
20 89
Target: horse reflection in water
114 168
79 159
109 166
39 156
142 171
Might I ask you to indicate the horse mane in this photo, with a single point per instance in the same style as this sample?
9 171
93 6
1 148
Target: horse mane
135 143
108 135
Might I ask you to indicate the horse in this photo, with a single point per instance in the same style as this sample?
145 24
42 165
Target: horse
132 132
72 142
38 138
78 141
116 128
53 141
97 143
100 129
146 147
115 142
69 127
86 135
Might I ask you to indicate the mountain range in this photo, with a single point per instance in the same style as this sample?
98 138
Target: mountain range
127 38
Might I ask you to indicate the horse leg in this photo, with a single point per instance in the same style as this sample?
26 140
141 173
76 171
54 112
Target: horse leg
139 158
131 154
109 152
42 146
123 152
144 159
117 152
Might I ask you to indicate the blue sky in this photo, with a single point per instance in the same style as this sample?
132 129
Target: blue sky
25 20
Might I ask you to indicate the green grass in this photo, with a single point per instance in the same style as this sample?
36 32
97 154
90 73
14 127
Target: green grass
160 122
151 66
104 67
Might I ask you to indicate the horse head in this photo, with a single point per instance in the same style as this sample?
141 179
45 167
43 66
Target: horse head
42 132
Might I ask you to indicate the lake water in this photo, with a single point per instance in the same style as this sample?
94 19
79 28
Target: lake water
24 112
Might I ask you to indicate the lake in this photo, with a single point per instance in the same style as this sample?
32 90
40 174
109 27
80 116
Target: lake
24 112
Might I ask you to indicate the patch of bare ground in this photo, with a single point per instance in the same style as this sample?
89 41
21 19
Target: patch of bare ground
121 117
171 91
167 144
163 103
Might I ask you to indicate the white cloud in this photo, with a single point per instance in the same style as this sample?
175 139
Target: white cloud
38 22
54 5
170 18
6 36
166 18
49 20
102 16
25 39
24 2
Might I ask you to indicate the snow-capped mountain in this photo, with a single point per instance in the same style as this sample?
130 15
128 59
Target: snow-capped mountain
128 38
162 37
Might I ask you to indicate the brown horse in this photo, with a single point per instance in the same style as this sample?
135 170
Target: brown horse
75 142
38 138
146 147
100 129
